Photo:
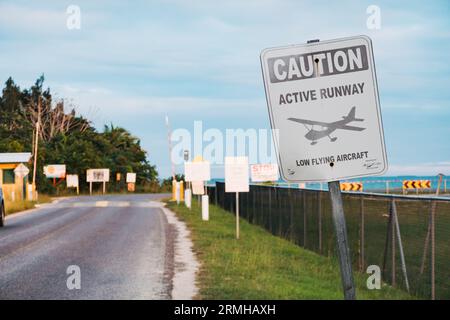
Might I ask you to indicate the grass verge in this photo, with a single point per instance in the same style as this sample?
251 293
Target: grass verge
262 266
21 205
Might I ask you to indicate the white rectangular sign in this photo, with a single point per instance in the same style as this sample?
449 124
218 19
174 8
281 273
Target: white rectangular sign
264 172
72 181
236 174
55 170
198 187
131 177
197 171
97 175
323 104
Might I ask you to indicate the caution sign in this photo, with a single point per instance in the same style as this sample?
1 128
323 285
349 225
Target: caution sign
324 108
351 186
416 184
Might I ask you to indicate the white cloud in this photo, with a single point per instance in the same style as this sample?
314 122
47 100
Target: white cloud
430 168
109 106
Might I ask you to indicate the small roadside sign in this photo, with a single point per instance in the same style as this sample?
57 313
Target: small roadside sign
131 177
55 170
72 181
264 172
197 171
324 108
198 187
97 175
236 174
236 180
21 170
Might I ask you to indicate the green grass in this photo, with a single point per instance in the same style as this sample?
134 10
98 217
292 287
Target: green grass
262 266
21 205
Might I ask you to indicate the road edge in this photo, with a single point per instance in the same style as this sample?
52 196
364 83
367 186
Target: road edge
186 265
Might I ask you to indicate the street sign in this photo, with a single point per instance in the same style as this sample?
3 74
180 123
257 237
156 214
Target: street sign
131 177
264 172
236 174
55 170
21 170
351 186
197 171
324 108
97 175
72 181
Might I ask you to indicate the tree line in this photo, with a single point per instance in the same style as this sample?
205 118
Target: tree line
65 137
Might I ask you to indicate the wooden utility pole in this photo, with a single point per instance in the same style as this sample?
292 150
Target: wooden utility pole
36 143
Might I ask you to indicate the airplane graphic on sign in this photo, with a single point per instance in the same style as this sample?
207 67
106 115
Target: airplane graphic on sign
330 127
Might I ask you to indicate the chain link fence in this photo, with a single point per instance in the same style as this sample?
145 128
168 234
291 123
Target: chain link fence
413 253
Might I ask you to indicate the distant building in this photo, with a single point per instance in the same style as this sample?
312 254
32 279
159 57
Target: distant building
14 188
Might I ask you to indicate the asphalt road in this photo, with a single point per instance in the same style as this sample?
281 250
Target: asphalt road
121 244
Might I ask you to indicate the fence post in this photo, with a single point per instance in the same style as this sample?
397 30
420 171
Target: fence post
270 209
216 190
433 252
362 243
386 245
319 206
400 245
305 237
393 246
431 232
427 240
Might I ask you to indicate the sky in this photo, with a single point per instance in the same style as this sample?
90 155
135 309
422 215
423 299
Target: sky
131 64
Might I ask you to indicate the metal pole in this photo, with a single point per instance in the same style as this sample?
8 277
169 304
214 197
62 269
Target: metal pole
393 246
433 252
90 188
237 215
319 194
362 258
432 214
342 242
386 246
400 245
305 237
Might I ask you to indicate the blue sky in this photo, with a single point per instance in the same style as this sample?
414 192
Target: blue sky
131 64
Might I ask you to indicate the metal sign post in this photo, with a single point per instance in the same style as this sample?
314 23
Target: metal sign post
236 181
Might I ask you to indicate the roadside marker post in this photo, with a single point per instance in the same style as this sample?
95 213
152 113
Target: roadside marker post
236 181
197 173
322 98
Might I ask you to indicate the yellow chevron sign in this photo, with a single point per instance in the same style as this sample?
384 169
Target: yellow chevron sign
416 184
351 186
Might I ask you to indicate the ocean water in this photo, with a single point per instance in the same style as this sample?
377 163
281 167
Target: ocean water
380 183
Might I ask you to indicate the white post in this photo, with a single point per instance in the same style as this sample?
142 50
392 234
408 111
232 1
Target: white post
205 207
177 192
90 188
104 187
188 198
